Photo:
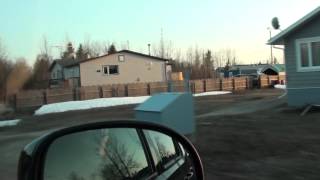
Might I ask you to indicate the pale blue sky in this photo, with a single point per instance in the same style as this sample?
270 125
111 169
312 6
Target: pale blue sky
240 25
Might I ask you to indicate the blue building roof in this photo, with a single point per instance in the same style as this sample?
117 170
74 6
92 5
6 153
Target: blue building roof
158 102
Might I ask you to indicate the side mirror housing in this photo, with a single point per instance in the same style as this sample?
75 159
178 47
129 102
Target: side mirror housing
110 150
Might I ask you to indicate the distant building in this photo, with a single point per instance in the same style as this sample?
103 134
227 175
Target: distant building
302 59
124 67
65 73
118 68
252 69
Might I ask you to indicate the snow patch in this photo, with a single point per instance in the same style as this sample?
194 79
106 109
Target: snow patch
212 93
280 86
103 102
89 104
9 122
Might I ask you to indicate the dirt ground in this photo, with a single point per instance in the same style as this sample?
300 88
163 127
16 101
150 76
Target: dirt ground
245 135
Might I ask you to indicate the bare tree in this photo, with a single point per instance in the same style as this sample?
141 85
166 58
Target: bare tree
5 69
164 48
18 76
197 56
44 47
177 63
120 163
74 176
3 52
189 55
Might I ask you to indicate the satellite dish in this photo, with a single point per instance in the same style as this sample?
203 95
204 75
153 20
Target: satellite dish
275 23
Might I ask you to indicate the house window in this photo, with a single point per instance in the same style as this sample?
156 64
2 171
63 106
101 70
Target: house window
315 53
111 70
304 55
121 58
308 54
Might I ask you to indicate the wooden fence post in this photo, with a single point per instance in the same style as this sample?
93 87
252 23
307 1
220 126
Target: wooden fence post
247 83
220 84
15 102
204 85
74 92
148 89
100 91
233 84
45 101
169 86
193 87
126 90
259 82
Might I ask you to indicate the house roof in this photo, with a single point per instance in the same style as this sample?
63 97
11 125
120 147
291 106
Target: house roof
278 39
248 67
130 52
158 102
275 67
74 62
258 67
65 62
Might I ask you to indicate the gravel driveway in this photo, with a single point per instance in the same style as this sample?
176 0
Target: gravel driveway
252 135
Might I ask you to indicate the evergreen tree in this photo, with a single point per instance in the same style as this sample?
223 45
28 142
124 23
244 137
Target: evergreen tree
112 49
208 64
69 53
227 67
80 54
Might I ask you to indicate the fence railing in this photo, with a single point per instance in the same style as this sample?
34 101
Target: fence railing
266 81
36 98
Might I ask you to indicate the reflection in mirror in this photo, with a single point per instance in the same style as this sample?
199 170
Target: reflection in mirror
102 154
162 147
169 156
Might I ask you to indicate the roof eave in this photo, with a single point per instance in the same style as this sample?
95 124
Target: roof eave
279 38
276 41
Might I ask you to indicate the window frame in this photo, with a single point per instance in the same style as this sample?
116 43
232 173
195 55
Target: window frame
108 70
308 41
121 56
113 73
148 154
163 167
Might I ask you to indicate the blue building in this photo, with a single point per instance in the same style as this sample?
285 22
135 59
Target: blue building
253 70
302 59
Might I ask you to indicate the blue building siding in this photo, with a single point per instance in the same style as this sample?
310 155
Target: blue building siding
303 87
303 97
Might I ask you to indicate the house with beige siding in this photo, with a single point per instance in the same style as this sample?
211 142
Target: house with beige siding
123 67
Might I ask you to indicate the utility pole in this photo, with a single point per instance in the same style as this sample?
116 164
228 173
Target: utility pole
149 49
161 45
271 53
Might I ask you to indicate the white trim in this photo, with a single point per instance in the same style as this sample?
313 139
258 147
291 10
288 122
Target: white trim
308 41
119 58
304 88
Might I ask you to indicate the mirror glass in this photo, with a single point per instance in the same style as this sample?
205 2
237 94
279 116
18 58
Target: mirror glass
116 153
